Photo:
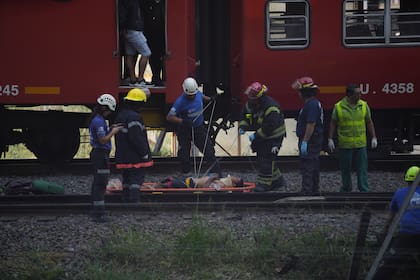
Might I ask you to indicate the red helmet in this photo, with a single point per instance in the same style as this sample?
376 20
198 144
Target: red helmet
255 90
304 82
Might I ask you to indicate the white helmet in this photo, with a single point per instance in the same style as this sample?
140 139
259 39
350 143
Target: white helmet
190 86
107 99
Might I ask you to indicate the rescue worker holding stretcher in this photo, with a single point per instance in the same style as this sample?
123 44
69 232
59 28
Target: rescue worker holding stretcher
263 115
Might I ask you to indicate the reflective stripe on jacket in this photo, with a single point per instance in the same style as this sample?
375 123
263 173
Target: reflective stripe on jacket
351 124
267 120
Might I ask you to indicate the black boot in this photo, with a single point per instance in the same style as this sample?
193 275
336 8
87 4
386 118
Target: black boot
279 184
125 195
134 194
262 188
98 214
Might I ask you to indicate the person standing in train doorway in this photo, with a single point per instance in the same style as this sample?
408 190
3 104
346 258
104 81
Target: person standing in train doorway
154 30
132 26
132 154
187 114
350 117
263 115
100 140
309 130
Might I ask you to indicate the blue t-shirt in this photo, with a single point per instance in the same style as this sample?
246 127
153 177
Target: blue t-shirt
98 128
191 109
410 221
310 113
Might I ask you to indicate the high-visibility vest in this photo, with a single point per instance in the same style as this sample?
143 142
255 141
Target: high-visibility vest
351 124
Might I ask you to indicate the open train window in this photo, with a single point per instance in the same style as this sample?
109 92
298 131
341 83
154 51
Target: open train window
381 22
287 24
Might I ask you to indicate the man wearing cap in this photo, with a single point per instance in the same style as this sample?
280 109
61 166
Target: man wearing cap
187 114
263 115
350 117
309 130
132 152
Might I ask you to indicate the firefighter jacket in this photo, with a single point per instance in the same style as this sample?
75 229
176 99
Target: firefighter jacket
266 119
351 123
132 147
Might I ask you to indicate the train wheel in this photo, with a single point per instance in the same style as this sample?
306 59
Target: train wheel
53 145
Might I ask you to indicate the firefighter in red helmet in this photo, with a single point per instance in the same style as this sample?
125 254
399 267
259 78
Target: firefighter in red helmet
263 115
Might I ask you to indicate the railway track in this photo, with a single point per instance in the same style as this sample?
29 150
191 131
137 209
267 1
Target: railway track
69 204
82 166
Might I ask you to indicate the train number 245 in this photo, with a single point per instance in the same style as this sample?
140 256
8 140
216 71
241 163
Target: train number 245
8 90
394 88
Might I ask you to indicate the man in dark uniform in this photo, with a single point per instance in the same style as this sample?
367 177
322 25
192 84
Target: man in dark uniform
263 115
309 130
132 152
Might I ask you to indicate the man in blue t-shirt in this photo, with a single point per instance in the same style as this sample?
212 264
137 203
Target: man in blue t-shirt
187 114
309 130
405 247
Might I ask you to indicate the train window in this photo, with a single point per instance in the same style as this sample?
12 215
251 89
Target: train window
287 24
381 22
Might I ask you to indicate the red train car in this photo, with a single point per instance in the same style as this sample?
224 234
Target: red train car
66 52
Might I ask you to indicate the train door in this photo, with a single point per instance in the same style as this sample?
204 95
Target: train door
150 17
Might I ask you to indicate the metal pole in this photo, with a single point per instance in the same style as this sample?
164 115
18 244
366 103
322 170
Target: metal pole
360 245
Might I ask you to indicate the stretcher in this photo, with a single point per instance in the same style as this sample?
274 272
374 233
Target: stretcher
115 186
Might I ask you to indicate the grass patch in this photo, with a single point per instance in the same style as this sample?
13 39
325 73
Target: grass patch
33 266
201 251
198 251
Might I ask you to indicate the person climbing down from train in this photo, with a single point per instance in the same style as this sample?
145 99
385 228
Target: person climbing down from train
263 115
350 117
211 181
187 114
100 141
131 22
132 154
310 131
404 251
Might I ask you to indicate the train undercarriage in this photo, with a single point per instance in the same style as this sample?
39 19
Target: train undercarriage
54 136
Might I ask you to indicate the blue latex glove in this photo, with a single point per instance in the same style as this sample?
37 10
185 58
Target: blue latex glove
304 148
251 137
241 131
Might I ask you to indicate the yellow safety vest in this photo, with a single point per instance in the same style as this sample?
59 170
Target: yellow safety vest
351 124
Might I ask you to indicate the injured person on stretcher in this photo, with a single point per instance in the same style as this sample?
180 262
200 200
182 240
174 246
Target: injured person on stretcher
210 181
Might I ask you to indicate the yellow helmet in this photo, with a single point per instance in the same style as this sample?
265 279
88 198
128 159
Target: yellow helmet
411 173
136 94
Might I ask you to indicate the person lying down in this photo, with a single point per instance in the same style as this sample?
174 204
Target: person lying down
211 181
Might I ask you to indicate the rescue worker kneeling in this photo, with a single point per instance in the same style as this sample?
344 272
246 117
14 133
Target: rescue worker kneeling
263 115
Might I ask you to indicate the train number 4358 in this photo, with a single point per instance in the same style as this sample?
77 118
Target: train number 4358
394 88
8 90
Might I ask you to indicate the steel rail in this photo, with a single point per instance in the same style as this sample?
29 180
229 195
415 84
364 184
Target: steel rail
54 204
82 166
